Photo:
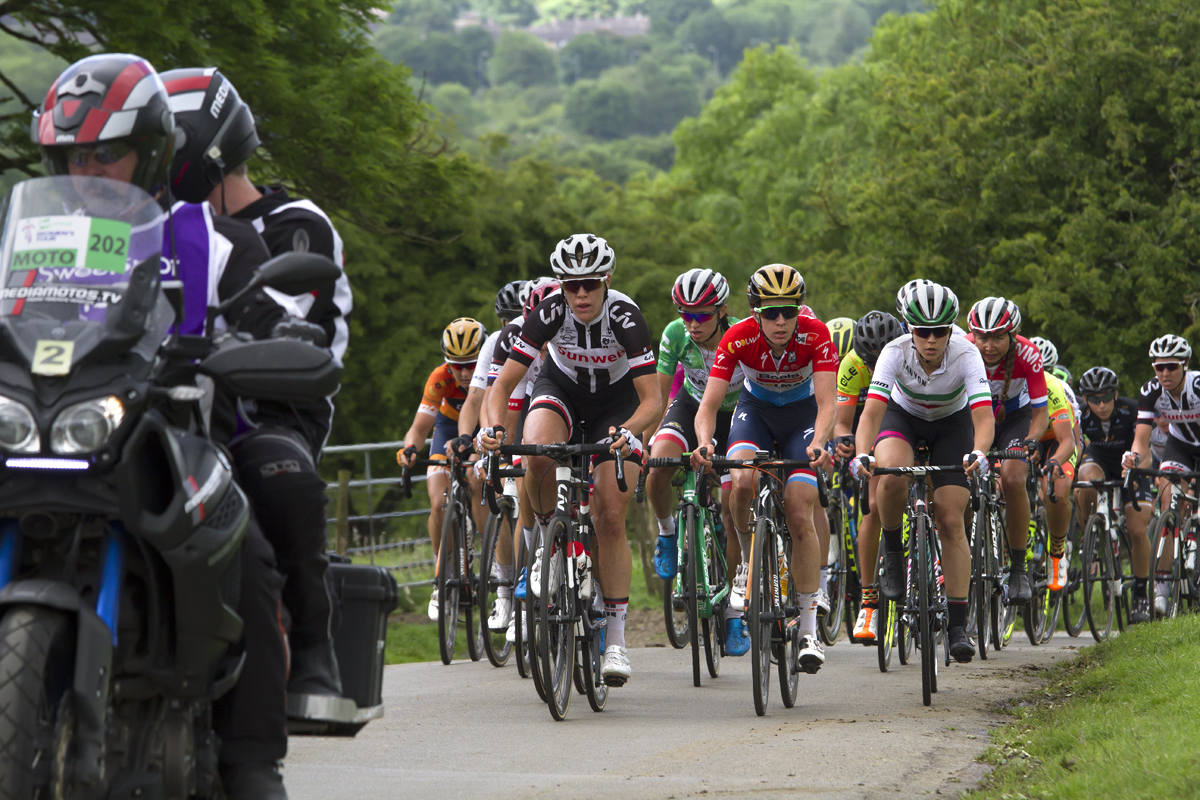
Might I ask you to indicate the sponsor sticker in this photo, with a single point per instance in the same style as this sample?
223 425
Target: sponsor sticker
58 242
52 357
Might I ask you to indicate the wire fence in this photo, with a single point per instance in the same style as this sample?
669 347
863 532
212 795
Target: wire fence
372 522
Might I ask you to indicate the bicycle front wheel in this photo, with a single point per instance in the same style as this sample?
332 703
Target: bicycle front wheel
533 611
449 581
929 655
1165 567
829 626
1074 613
982 568
690 563
1038 568
556 641
675 612
713 624
760 603
470 591
787 655
1191 562
494 577
1099 599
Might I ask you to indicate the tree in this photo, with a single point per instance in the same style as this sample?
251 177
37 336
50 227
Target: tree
522 59
713 38
427 15
604 109
589 54
437 57
667 15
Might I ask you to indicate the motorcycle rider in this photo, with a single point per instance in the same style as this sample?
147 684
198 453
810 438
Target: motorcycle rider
278 444
109 116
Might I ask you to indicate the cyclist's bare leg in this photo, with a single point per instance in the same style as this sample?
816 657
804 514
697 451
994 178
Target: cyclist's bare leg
479 506
1016 502
892 491
1058 515
948 505
658 484
742 495
821 527
1138 524
733 544
615 559
799 500
1085 496
542 426
438 483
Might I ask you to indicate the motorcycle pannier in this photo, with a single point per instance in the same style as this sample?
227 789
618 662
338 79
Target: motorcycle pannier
365 596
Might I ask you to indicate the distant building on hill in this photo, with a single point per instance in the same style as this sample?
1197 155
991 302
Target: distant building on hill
556 33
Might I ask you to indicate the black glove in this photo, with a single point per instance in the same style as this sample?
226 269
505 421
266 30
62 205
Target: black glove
463 445
293 328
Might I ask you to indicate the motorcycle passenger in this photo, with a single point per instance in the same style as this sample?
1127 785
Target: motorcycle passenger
278 444
214 257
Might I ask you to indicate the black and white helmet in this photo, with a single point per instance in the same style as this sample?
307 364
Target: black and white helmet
699 288
873 332
1171 346
1098 380
1048 350
582 255
508 300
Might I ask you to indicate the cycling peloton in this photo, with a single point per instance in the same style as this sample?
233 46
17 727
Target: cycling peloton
598 374
690 343
790 367
931 387
443 399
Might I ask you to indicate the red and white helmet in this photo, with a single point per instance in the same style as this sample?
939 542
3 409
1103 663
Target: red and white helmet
581 256
108 98
699 288
542 288
993 314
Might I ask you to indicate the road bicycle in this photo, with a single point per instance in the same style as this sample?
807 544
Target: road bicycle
845 584
456 580
1041 612
772 605
925 598
502 542
1174 538
568 622
700 581
1100 561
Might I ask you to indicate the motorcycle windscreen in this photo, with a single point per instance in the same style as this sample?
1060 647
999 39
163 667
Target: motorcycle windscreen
68 248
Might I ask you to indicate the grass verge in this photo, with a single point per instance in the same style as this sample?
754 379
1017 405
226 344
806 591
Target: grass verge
1118 721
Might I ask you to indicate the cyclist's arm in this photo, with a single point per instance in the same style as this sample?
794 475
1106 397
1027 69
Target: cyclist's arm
706 416
1141 443
1064 432
664 384
843 419
984 420
825 390
868 424
419 431
1039 424
468 417
506 383
649 408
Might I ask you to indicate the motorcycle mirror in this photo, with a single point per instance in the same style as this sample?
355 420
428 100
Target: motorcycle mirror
297 273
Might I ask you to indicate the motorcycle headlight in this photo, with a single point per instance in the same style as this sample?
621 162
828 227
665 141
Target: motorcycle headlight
85 427
18 429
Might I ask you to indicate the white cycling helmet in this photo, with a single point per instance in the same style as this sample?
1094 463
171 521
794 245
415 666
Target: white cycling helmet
698 288
582 255
1048 350
1171 346
530 285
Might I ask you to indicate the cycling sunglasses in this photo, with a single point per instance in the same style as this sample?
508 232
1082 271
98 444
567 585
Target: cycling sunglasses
462 367
107 153
1096 399
775 312
940 332
688 316
586 284
1167 366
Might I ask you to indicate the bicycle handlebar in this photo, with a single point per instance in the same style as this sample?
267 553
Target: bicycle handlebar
864 481
406 473
559 450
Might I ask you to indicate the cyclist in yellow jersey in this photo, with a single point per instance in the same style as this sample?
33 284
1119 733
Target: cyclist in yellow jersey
1058 451
871 333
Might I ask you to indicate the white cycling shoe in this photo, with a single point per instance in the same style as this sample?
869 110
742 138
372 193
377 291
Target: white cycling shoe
823 603
433 606
511 635
615 669
535 575
812 654
737 595
502 611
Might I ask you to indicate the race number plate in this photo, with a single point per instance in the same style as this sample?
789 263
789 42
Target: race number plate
52 357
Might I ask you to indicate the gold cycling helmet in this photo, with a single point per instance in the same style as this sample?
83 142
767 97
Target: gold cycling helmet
462 340
841 330
775 284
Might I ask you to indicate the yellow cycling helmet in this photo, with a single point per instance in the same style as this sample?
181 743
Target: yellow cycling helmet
462 340
775 284
841 330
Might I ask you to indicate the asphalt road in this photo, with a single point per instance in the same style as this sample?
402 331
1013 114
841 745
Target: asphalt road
471 730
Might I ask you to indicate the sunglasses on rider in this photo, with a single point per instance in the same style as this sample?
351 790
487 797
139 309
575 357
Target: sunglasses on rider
1167 366
775 312
941 331
688 316
1097 399
468 366
107 153
586 284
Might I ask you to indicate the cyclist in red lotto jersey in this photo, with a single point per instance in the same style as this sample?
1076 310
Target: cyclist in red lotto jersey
790 366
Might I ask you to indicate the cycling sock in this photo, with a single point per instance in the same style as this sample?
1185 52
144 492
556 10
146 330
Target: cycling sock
744 541
1017 558
824 576
892 539
730 613
506 576
808 613
1162 588
1057 547
1139 588
870 596
666 525
527 532
614 615
956 612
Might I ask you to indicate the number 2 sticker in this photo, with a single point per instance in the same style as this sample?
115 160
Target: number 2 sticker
52 357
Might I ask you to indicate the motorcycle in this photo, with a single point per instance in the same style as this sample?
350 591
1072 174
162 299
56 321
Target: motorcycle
120 521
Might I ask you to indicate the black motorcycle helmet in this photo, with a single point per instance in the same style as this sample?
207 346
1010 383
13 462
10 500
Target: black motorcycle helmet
214 131
113 97
872 332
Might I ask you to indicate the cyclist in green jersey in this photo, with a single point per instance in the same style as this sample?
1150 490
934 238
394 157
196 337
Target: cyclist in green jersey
691 342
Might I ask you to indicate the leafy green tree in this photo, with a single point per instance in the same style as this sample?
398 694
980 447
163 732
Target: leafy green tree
589 54
712 37
522 59
572 9
667 92
437 57
508 12
667 15
604 109
427 15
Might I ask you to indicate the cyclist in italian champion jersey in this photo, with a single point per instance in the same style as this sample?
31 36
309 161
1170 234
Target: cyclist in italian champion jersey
931 387
690 343
871 334
1019 399
1173 394
445 393
598 374
790 366
1110 429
